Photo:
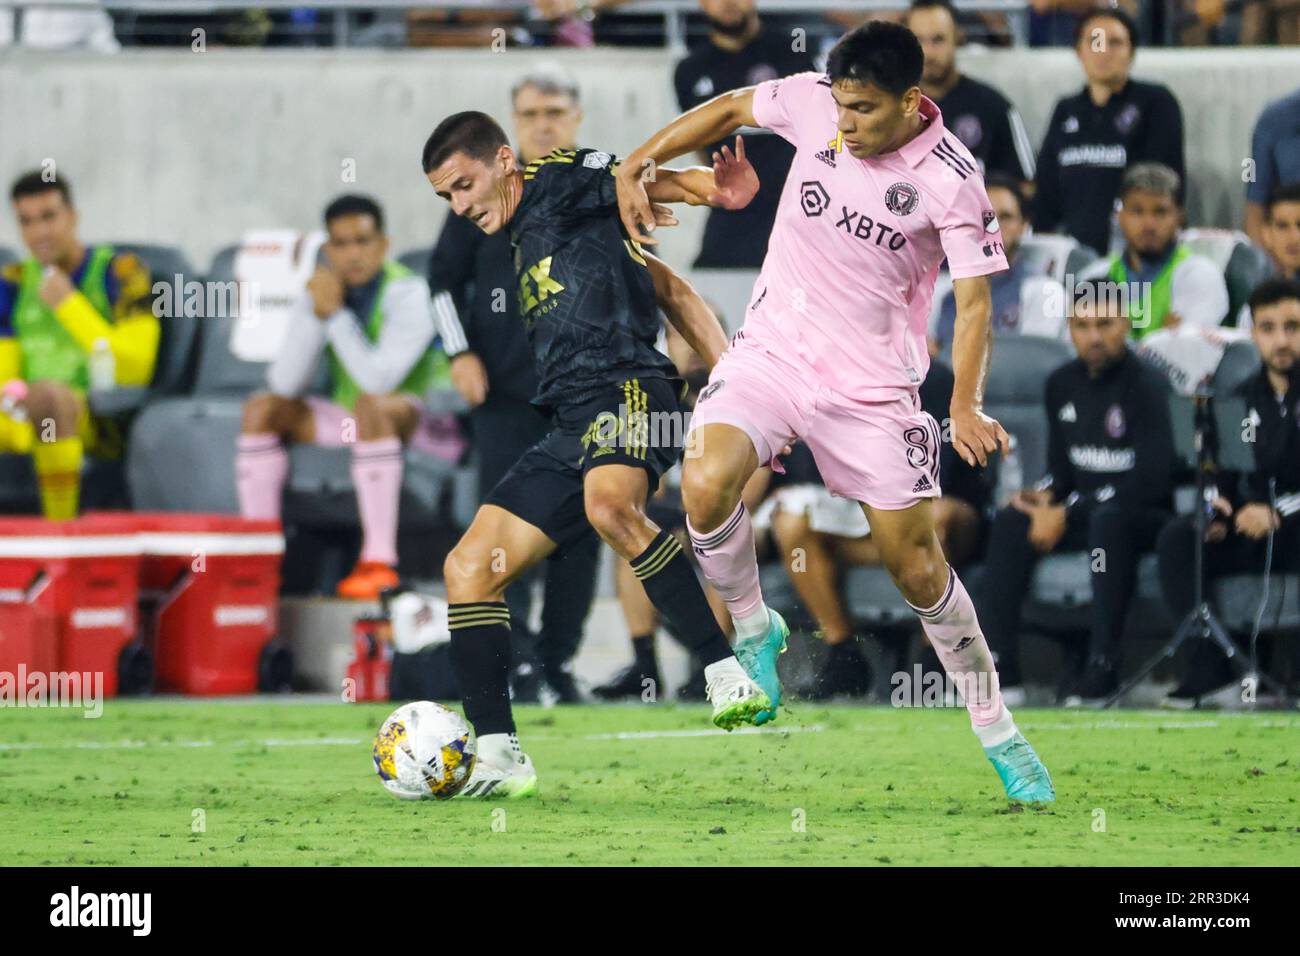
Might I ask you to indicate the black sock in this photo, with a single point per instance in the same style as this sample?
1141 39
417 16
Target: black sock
670 582
643 645
480 654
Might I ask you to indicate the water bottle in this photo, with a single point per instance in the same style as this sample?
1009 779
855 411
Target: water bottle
102 367
1011 473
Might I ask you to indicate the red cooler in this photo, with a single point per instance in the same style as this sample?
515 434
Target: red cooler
82 575
215 580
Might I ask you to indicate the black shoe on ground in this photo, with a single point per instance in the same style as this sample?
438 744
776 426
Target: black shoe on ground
1210 672
525 684
561 684
844 672
630 684
694 690
1100 680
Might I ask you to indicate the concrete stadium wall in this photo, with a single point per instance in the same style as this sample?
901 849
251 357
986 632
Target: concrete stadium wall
193 148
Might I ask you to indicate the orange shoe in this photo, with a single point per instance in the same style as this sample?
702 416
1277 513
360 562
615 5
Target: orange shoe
367 579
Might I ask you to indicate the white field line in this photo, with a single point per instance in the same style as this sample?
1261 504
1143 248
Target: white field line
623 735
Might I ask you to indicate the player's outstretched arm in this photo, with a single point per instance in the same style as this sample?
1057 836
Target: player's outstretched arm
706 124
687 311
974 435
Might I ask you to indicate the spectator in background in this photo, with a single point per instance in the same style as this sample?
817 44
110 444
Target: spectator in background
1023 304
41 29
373 321
1275 150
59 307
1280 234
978 115
1109 486
832 533
1169 285
472 276
1055 22
1247 507
741 51
1094 135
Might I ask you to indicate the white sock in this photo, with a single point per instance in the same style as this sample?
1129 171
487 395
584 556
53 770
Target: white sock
998 732
727 667
754 624
500 748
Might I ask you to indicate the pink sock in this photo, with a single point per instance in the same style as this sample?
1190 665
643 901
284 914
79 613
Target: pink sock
377 474
727 558
261 466
955 633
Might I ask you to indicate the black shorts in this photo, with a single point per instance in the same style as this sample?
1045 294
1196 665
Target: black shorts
639 422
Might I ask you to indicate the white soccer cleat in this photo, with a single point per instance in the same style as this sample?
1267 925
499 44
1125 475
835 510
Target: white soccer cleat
501 770
735 698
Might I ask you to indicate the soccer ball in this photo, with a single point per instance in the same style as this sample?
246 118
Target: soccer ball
424 751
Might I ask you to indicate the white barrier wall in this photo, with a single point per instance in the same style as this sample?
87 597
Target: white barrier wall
192 148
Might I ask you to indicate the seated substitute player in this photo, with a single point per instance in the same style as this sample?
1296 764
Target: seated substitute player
1181 289
833 347
1248 509
55 307
587 296
374 320
1109 490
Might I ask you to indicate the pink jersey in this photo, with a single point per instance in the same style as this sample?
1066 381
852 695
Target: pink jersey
857 244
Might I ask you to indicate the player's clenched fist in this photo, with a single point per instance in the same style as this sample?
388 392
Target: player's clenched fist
975 435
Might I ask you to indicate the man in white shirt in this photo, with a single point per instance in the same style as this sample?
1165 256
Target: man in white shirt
373 320
1168 286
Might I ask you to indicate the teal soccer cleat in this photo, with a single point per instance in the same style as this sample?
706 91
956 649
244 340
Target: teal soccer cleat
1022 773
758 656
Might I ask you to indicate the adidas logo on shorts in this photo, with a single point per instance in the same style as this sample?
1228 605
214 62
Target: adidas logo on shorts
922 484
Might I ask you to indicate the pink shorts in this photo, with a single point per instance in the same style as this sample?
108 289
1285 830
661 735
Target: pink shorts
436 435
885 454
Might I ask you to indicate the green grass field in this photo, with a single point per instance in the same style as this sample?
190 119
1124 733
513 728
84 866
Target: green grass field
280 782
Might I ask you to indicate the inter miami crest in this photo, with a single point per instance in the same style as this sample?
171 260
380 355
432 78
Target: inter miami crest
901 199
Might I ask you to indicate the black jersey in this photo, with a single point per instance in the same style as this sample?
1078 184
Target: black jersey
989 126
1110 437
1088 147
585 293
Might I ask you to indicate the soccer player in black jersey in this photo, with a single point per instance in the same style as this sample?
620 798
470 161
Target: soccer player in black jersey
588 295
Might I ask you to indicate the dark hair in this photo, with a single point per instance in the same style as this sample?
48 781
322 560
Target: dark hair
887 55
475 134
1287 192
997 180
1271 292
354 205
934 5
35 184
1155 178
1115 13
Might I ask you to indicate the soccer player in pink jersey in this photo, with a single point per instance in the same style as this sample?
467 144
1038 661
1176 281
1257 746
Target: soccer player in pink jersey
833 347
